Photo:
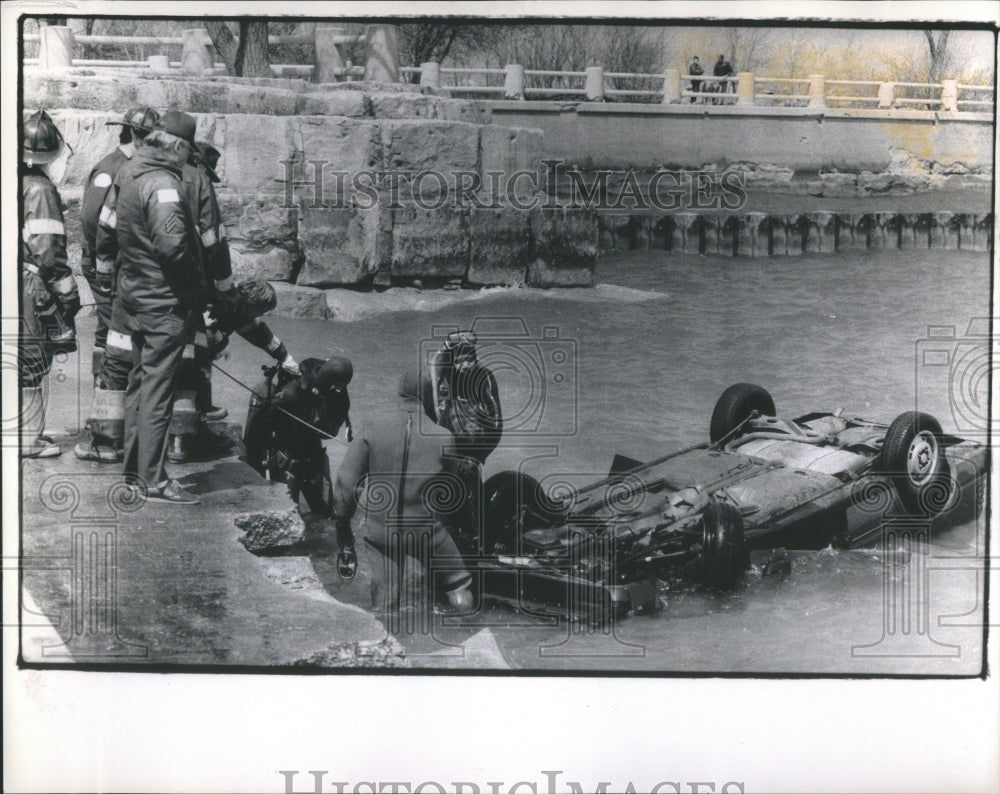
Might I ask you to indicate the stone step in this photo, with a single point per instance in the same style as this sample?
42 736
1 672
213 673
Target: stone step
763 234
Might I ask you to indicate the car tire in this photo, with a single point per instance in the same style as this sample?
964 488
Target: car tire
513 502
723 556
913 457
735 405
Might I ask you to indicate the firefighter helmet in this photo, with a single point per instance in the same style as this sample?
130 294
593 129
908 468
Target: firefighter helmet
42 139
140 119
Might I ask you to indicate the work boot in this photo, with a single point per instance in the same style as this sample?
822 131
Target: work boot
98 449
33 443
177 451
171 491
215 413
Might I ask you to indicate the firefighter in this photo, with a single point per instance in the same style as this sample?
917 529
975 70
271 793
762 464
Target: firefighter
105 433
49 296
161 287
102 439
411 487
194 391
99 273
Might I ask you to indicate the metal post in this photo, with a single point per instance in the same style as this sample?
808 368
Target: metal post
886 95
744 88
158 64
199 52
672 86
594 86
329 60
949 96
430 76
513 81
56 50
817 91
382 53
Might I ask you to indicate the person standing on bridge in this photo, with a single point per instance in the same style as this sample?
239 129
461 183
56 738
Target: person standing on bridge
49 297
695 68
722 69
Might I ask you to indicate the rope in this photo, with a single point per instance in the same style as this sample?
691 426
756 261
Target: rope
315 429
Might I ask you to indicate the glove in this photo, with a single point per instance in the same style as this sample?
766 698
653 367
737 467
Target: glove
103 285
70 307
290 366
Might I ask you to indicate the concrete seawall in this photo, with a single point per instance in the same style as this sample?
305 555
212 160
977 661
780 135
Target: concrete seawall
620 135
763 234
302 190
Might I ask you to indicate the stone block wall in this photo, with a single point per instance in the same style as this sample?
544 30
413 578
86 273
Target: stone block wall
303 193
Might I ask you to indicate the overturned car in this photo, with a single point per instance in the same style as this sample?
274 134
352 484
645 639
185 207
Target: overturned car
760 482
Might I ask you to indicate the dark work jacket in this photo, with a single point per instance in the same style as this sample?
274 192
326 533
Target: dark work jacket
157 240
208 218
99 182
43 236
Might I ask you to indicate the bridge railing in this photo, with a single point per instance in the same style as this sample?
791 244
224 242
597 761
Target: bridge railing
673 87
57 50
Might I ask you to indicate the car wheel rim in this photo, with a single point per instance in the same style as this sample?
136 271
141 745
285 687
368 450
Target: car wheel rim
921 459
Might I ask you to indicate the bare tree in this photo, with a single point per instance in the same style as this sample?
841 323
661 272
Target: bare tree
937 46
435 41
247 56
749 47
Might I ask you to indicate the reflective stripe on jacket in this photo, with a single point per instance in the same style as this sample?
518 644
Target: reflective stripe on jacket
43 236
205 208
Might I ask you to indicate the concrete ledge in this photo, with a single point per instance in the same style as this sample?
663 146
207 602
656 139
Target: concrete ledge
169 585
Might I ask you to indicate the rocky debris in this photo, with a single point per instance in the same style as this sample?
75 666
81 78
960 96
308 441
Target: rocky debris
365 653
270 530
